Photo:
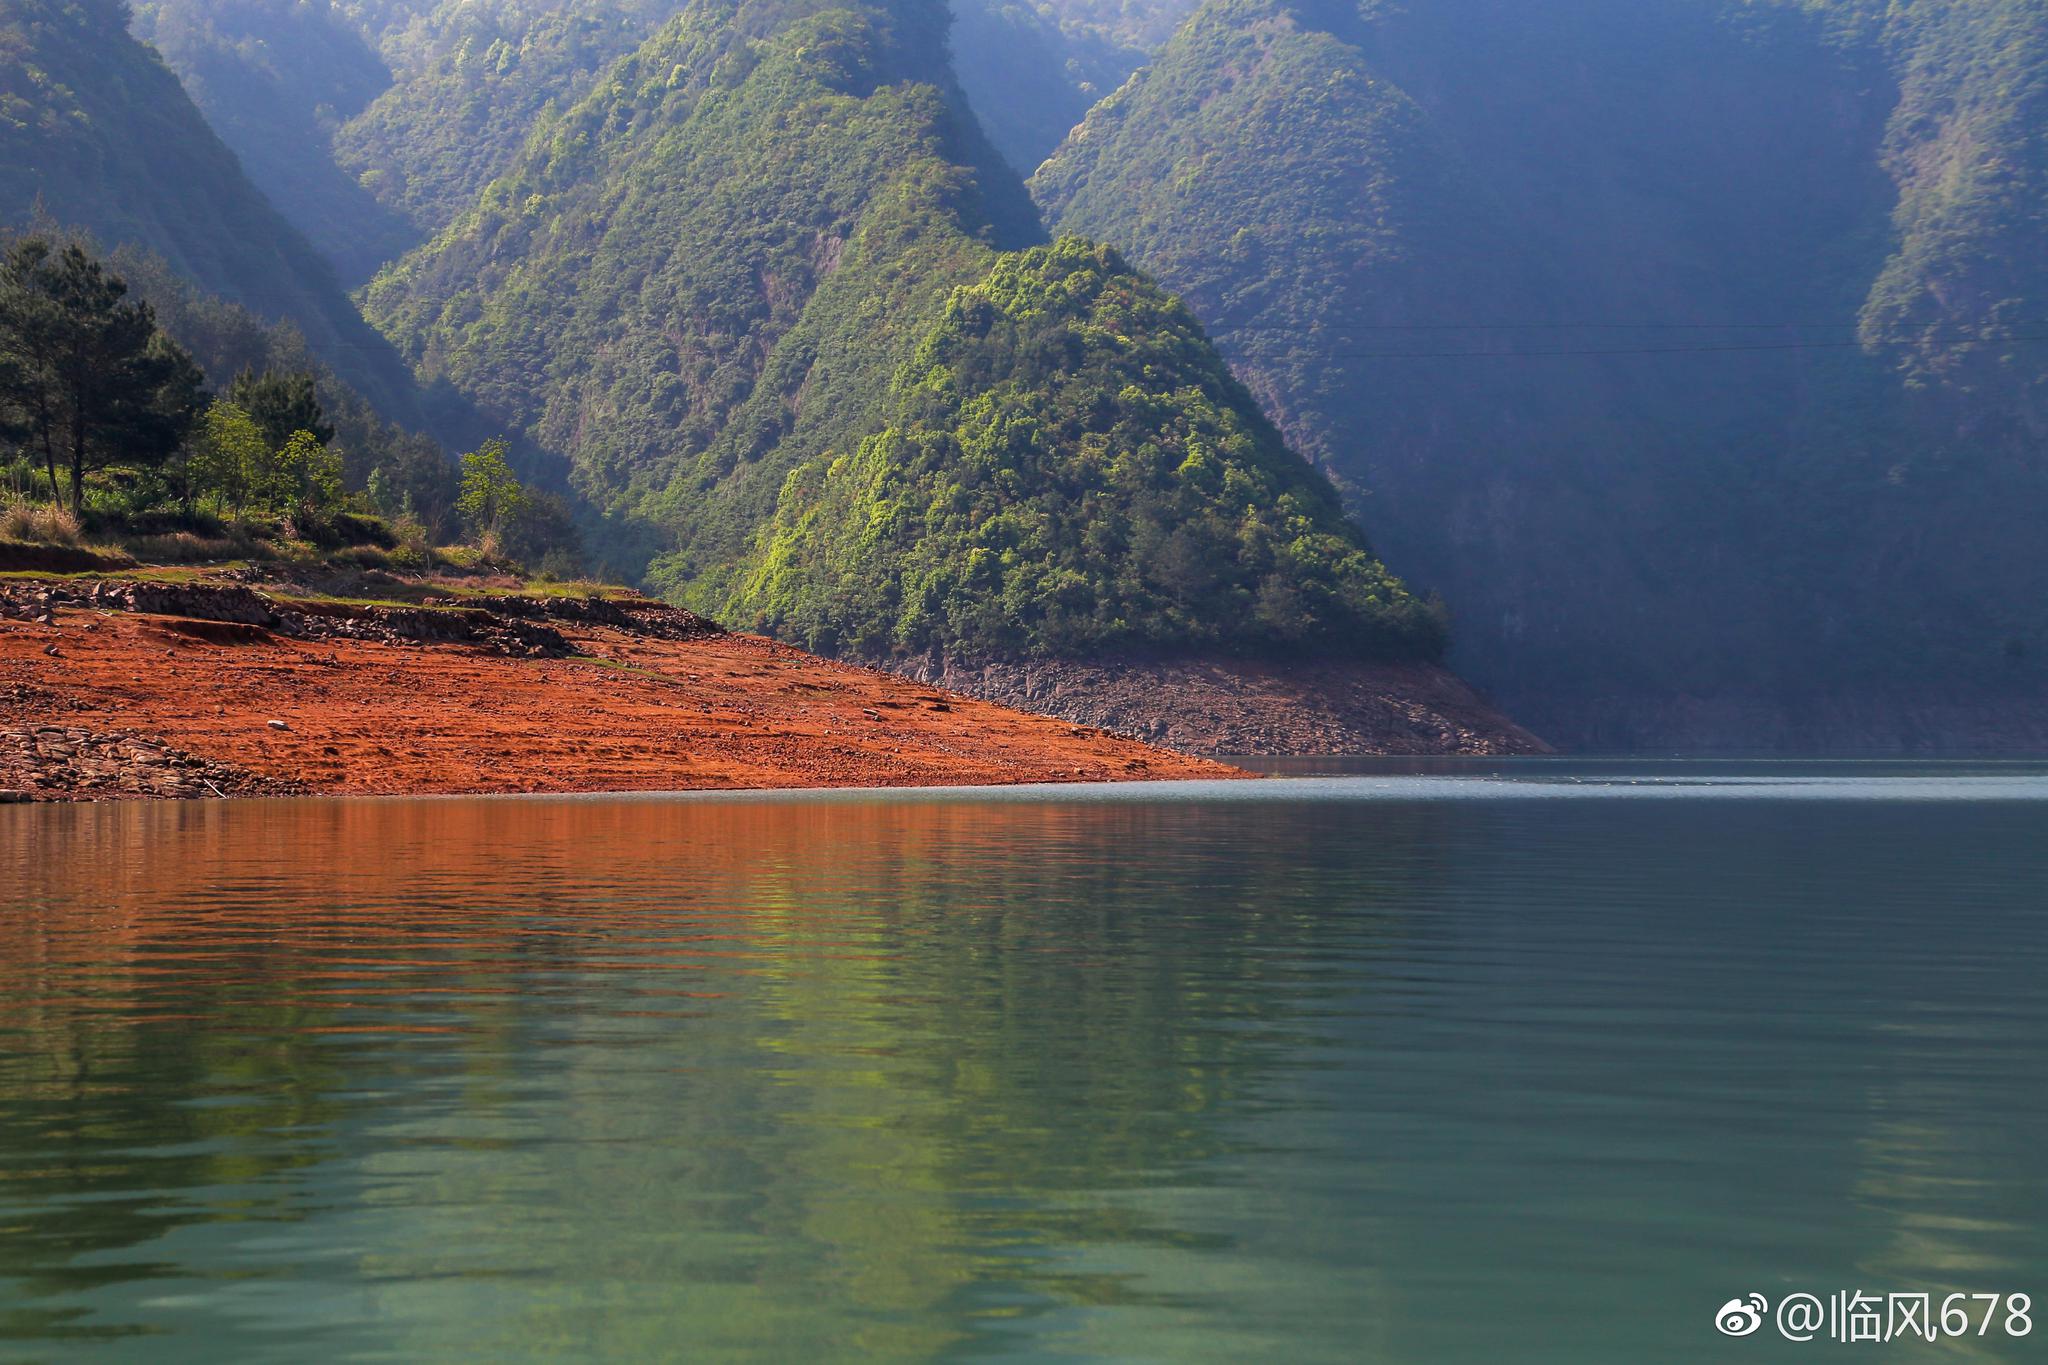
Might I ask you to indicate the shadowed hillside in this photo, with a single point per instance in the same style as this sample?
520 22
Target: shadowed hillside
1683 345
97 133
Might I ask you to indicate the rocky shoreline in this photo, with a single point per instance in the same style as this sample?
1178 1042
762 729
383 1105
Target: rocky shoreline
52 761
1229 706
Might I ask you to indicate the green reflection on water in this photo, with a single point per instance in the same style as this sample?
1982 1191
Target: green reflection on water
1193 1080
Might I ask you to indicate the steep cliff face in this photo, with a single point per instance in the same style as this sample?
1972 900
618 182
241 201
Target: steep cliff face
1676 343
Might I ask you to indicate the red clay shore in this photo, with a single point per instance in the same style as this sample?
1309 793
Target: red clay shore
97 704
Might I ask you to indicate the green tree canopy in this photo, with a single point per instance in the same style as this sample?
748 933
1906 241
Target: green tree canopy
492 497
231 460
282 403
225 456
87 373
1071 469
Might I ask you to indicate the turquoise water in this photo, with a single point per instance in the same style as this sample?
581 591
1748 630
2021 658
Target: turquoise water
1539 1062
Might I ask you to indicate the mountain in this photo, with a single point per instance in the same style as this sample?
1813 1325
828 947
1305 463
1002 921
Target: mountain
96 133
780 309
1684 345
1143 25
277 79
1967 147
466 83
715 260
1070 470
372 126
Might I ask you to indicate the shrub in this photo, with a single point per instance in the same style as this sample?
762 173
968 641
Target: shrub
42 523
188 547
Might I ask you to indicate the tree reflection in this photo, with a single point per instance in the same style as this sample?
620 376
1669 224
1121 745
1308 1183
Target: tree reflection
855 1076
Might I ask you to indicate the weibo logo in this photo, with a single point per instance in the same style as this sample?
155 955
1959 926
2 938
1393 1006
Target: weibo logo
1740 1317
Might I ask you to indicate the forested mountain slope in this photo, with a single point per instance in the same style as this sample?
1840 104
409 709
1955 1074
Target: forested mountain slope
97 132
750 213
1141 24
372 125
1683 344
276 79
468 81
760 290
1068 469
1967 146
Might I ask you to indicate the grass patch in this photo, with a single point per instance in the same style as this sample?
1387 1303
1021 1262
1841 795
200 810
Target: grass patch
188 547
615 666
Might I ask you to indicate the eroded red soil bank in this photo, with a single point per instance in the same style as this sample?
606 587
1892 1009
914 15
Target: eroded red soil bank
99 703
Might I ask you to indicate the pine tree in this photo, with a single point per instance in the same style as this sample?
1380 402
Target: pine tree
86 372
281 404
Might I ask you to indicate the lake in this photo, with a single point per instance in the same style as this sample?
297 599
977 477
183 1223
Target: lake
1516 1062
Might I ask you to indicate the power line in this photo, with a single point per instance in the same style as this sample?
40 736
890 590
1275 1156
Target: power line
1317 328
1646 350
